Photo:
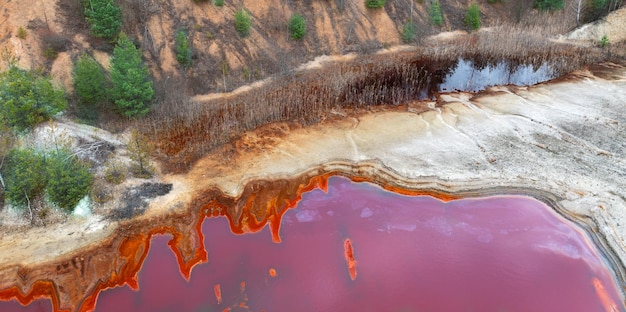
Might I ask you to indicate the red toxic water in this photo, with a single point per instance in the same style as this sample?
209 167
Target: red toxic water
360 248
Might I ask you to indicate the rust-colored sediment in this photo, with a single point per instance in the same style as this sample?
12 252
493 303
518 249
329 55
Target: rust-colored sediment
608 304
74 282
349 254
218 293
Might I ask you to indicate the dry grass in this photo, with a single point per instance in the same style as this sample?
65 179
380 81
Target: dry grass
185 130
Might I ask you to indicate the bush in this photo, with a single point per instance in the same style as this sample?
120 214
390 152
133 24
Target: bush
494 1
26 99
132 89
89 82
115 172
297 26
408 32
104 16
69 180
25 175
218 3
183 51
436 17
549 5
472 17
375 4
242 22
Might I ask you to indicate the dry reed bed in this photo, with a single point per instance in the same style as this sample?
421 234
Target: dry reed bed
184 130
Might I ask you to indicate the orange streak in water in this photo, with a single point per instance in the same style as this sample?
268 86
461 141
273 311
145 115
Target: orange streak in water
218 293
607 303
349 254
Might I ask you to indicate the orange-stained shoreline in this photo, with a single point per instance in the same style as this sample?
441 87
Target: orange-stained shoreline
262 203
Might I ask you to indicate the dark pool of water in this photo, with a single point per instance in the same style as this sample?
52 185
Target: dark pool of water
468 76
411 254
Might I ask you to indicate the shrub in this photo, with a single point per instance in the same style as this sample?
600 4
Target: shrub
549 5
89 81
375 4
132 89
69 180
21 33
436 17
26 98
494 1
218 3
183 51
25 176
104 16
472 17
408 32
297 26
242 22
50 53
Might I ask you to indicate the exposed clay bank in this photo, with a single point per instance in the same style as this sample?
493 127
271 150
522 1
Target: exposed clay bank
565 140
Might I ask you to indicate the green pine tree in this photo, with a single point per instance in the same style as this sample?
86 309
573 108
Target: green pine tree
472 17
25 175
104 16
89 81
69 180
27 99
132 89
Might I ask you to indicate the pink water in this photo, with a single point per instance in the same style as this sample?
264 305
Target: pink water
412 254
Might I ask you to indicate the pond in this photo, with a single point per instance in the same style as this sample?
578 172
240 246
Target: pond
360 248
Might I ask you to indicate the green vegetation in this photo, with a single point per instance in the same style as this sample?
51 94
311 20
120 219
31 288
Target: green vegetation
549 5
494 1
218 3
472 17
21 33
297 26
114 172
408 32
28 173
89 81
132 89
436 17
183 51
243 22
69 180
604 41
375 4
27 99
25 176
104 16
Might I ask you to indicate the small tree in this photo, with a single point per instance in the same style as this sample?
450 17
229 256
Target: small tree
140 151
69 180
297 26
132 89
104 16
242 22
26 98
183 51
472 17
375 4
436 17
89 81
549 5
25 176
408 32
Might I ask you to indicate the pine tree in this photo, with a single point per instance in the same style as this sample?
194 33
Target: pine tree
89 80
132 89
104 16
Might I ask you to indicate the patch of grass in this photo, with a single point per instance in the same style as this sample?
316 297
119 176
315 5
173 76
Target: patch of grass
115 172
50 53
549 5
604 41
